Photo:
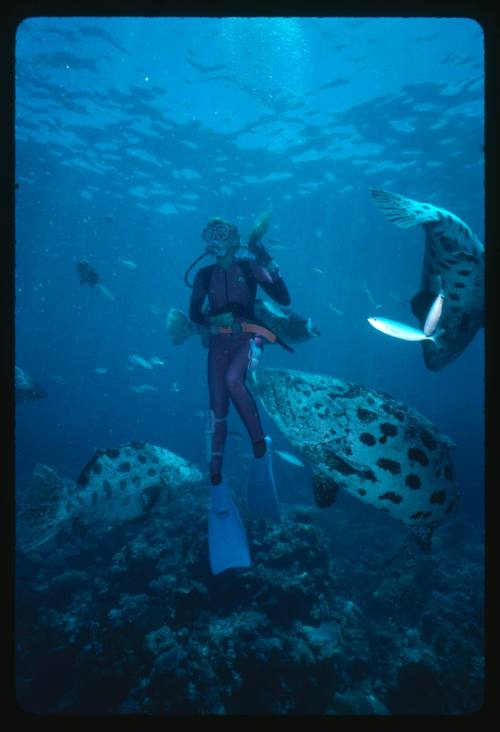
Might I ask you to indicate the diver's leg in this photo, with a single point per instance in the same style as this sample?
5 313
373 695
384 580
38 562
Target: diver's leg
261 495
227 539
242 398
218 359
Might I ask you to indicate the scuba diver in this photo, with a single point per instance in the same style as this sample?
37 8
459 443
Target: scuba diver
235 343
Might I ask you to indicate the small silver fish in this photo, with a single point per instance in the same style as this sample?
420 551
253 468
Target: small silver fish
144 389
156 361
139 361
401 330
370 296
100 370
154 309
105 291
129 264
335 310
289 458
434 314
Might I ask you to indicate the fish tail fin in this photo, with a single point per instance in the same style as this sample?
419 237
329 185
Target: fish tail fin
402 211
41 514
179 327
105 291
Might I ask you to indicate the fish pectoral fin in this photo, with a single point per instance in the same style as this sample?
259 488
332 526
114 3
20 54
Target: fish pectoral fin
151 495
344 465
421 303
325 489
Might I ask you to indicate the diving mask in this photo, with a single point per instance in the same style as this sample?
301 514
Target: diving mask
217 234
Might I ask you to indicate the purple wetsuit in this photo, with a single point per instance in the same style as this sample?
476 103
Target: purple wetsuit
233 291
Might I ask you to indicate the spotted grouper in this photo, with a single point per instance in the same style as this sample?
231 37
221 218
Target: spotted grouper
284 322
376 448
118 484
453 262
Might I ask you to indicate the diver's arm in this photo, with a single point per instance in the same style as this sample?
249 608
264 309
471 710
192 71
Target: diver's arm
267 274
276 288
197 297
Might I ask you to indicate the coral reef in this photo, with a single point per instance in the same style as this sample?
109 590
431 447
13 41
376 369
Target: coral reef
336 616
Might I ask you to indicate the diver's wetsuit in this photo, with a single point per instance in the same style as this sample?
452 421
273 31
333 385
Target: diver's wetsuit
233 291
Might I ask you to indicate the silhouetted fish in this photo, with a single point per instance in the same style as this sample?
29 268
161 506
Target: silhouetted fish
89 276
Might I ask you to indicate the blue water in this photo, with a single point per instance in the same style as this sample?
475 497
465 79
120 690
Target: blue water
131 133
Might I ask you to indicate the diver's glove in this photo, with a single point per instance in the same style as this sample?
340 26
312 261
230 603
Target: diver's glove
262 256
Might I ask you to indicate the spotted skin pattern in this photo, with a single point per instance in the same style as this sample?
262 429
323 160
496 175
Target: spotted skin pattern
376 448
293 328
453 256
117 484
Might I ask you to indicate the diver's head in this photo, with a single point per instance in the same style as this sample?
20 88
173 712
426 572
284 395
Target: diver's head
220 237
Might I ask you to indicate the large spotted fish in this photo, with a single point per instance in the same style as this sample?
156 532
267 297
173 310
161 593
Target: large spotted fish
287 324
454 259
365 442
118 484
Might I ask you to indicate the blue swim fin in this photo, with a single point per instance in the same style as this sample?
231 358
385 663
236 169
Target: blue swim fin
227 539
262 497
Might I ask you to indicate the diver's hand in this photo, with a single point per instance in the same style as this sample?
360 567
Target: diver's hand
262 256
224 319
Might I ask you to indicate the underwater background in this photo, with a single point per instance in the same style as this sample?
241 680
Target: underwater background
130 134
